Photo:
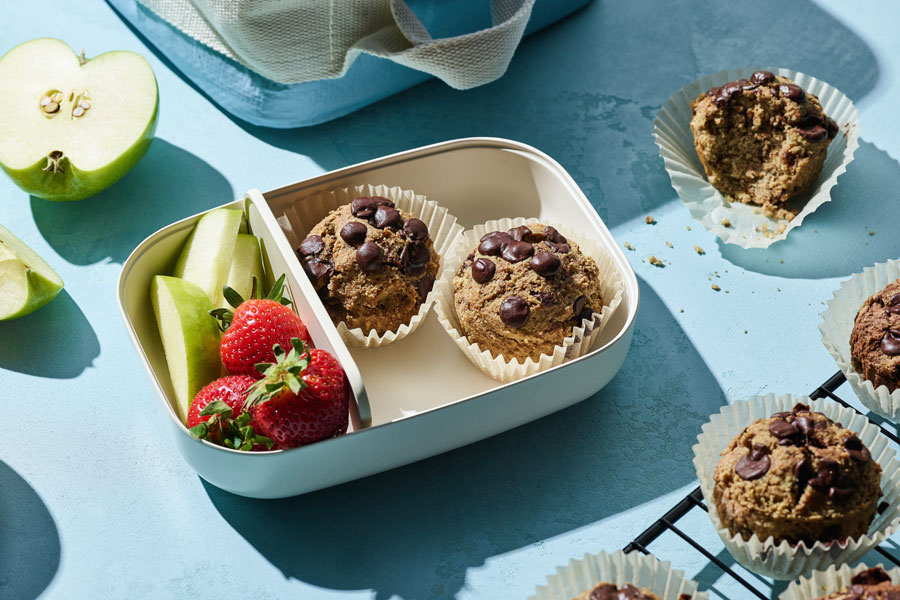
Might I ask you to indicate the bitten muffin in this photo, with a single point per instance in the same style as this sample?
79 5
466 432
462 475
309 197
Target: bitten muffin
797 476
520 293
372 264
871 584
609 591
761 141
875 339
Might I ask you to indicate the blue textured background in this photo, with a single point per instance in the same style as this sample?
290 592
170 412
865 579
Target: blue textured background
94 499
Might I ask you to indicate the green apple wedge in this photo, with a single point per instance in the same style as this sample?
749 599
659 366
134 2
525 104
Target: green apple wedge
73 126
190 337
206 257
26 281
245 265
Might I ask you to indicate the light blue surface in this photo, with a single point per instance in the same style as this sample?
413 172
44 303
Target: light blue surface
94 499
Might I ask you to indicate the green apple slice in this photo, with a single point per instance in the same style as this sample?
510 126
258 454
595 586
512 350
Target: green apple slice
26 281
245 265
189 335
206 257
72 126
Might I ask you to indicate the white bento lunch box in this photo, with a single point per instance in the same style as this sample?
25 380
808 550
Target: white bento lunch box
419 396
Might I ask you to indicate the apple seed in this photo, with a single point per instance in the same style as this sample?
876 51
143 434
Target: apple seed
78 111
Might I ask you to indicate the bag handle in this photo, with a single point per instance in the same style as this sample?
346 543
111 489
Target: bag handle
463 61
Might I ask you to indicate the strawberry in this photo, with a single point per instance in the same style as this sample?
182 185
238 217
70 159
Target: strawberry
302 398
211 412
254 327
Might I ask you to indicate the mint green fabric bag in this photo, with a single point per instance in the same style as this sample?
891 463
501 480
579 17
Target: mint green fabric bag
289 63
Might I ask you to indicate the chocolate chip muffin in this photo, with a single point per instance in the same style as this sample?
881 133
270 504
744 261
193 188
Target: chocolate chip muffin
761 141
520 292
372 264
871 584
797 476
875 339
610 591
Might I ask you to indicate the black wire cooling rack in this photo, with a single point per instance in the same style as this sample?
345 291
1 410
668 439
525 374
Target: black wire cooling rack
695 500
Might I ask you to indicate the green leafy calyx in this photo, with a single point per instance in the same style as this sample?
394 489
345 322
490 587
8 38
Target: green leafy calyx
224 316
285 373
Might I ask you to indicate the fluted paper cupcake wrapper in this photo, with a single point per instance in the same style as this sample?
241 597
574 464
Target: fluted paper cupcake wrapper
443 229
748 225
831 580
837 324
783 561
575 345
640 570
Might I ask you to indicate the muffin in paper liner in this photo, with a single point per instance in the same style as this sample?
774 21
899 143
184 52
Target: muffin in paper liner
837 324
750 228
573 346
783 561
640 570
830 581
299 219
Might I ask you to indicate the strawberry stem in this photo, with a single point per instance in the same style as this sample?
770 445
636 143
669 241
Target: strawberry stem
286 372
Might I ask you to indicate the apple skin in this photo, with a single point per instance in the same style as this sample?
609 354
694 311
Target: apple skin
41 287
73 183
190 337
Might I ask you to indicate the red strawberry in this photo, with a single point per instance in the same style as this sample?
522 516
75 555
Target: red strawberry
303 397
254 327
213 408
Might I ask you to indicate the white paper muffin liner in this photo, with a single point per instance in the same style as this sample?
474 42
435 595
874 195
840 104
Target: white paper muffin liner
640 570
749 227
837 324
573 346
784 561
443 229
831 580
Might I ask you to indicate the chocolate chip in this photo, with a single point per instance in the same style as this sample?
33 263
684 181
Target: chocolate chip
311 245
844 487
712 91
354 233
890 343
800 407
586 314
517 251
514 312
415 253
825 474
857 450
802 469
893 305
883 507
369 257
545 298
872 576
364 207
386 216
416 229
425 286
552 235
809 121
519 233
813 135
792 92
762 77
758 451
853 443
318 269
483 270
492 243
727 92
785 442
803 424
783 429
831 126
470 256
578 305
414 270
545 264
749 469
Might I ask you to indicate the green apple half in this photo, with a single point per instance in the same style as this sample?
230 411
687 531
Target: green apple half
190 337
245 265
72 127
206 257
26 281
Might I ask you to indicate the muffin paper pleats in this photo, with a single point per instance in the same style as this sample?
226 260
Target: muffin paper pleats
748 228
830 581
573 346
837 324
640 570
784 561
443 229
